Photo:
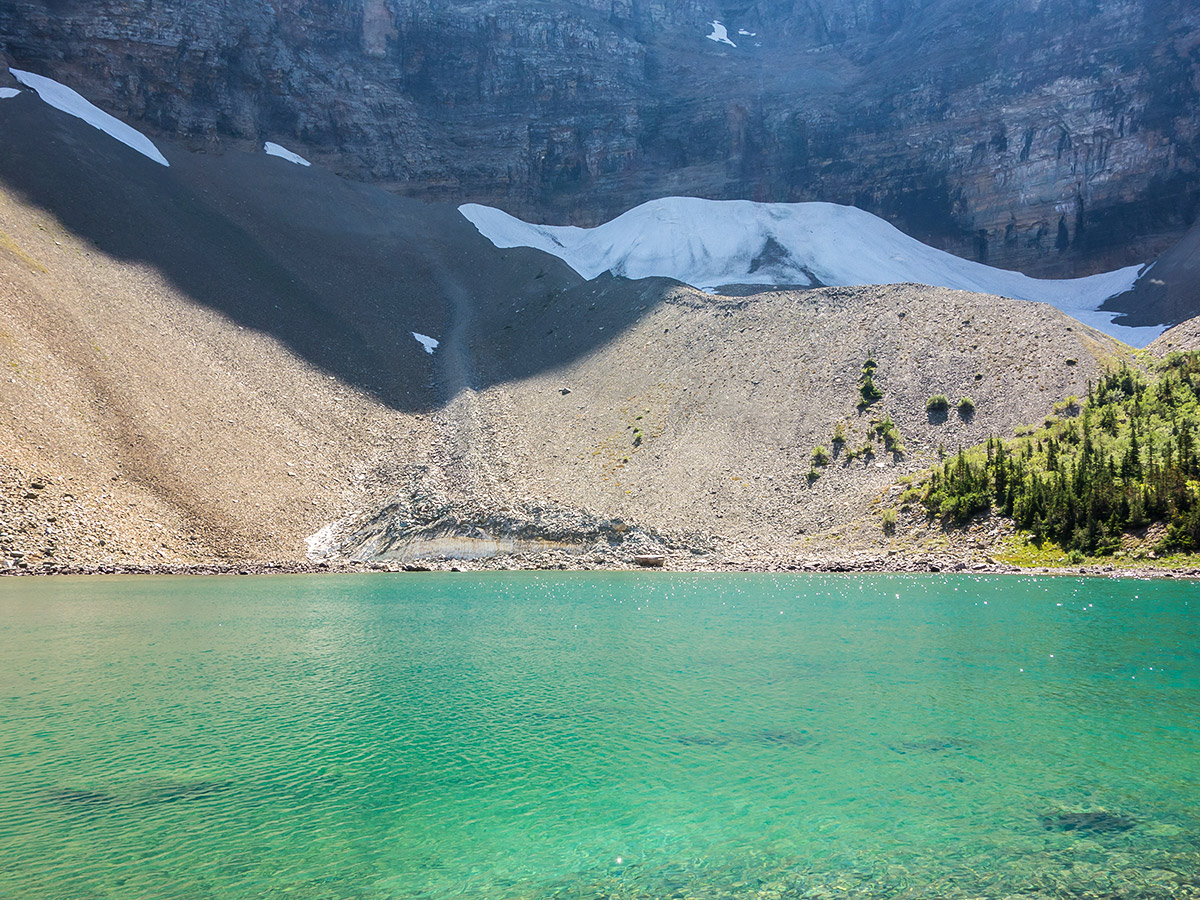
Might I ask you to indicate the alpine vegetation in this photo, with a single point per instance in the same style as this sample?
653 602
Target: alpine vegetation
1126 459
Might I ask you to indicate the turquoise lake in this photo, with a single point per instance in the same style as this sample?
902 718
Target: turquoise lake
628 735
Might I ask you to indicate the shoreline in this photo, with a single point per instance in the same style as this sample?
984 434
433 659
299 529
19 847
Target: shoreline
554 563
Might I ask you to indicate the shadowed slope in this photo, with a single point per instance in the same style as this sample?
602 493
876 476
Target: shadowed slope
212 360
340 273
138 426
1169 291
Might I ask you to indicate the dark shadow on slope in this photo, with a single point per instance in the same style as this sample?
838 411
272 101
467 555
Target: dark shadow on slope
1169 292
753 290
341 273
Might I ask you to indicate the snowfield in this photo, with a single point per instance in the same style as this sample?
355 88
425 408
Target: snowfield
430 344
710 243
273 149
63 98
720 34
7 92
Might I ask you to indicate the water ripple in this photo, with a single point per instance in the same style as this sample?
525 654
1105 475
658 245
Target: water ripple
624 736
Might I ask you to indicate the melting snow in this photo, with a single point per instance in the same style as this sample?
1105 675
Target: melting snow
743 31
274 149
320 544
6 93
430 344
720 34
709 243
62 97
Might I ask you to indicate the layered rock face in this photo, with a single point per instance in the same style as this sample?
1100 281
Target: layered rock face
1059 137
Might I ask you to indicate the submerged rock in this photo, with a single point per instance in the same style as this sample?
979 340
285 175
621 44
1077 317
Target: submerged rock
1093 821
700 740
168 792
79 796
929 745
784 738
184 790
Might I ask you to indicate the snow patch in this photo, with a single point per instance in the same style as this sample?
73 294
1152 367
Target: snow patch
273 149
720 34
63 98
710 243
6 93
430 344
320 544
745 33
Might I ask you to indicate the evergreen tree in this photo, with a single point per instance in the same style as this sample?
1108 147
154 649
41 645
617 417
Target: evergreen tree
1083 486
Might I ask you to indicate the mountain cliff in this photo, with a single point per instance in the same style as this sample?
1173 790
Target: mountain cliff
1054 136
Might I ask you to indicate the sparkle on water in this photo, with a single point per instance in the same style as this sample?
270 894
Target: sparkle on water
583 736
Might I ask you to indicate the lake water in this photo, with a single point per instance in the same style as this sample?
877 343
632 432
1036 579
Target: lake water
633 735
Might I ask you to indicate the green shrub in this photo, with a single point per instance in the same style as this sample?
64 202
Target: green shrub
813 475
887 432
966 407
889 521
868 391
820 457
937 403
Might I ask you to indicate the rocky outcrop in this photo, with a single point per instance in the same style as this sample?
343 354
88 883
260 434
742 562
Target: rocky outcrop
1054 136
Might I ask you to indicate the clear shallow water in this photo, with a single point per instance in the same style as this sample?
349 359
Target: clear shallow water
586 736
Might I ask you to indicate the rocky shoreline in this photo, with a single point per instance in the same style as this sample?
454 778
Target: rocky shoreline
570 562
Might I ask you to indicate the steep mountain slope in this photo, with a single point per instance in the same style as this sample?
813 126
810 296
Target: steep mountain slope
215 359
160 428
226 343
1056 137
